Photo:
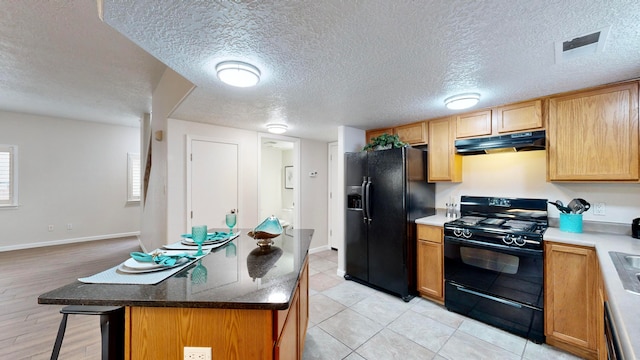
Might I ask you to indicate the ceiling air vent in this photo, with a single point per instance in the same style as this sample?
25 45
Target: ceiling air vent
580 46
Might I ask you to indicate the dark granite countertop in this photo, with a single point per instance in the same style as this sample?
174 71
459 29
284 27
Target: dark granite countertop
238 276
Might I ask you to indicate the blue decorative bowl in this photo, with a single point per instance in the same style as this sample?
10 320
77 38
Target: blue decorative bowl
267 230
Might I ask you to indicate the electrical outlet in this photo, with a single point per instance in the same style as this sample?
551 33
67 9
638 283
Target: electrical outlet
197 353
69 226
599 209
50 227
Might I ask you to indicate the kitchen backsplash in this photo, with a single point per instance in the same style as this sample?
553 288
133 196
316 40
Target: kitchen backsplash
523 174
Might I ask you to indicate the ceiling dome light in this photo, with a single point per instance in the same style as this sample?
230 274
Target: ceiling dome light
462 101
277 128
236 73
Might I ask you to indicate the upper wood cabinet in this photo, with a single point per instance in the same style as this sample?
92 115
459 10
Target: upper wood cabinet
473 124
444 164
377 132
511 118
430 262
593 135
519 117
413 134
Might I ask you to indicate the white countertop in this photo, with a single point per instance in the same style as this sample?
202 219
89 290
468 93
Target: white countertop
625 306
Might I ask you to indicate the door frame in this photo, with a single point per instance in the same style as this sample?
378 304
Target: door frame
189 139
296 172
332 196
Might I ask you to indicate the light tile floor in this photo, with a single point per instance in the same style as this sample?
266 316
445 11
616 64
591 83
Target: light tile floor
354 322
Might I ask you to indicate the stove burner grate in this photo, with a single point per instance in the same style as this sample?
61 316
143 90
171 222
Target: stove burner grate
520 225
470 220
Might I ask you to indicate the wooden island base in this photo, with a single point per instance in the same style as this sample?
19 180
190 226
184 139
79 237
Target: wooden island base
163 332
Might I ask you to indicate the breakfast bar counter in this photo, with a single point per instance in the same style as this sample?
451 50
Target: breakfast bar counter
240 300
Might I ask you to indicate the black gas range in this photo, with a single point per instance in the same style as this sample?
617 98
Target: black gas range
513 222
494 263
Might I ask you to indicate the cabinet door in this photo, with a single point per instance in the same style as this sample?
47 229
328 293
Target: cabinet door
287 345
163 332
593 136
444 163
571 298
377 132
519 117
304 308
473 124
430 262
413 134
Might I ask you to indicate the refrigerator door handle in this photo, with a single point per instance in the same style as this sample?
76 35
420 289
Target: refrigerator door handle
368 199
364 199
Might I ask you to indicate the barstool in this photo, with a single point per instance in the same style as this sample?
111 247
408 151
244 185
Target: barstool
111 326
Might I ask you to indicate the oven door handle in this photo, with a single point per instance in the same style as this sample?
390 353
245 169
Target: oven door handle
503 301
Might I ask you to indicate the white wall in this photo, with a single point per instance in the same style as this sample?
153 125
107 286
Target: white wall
168 94
313 190
176 176
313 156
69 172
523 174
287 200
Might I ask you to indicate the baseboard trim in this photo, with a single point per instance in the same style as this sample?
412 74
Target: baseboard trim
319 249
67 241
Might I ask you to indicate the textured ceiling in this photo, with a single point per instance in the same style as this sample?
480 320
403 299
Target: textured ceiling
58 59
326 63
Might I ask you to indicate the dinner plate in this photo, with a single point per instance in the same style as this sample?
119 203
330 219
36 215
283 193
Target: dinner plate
209 235
129 270
134 264
190 242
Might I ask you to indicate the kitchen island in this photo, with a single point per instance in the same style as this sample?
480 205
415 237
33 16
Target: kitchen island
241 301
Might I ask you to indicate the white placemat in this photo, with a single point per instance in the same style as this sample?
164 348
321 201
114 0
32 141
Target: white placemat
113 276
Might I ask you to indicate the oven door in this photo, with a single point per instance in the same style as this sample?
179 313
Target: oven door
502 271
497 285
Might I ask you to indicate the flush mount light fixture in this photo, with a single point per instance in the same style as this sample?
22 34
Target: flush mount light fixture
237 73
462 101
276 128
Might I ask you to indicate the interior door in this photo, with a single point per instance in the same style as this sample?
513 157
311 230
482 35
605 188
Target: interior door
214 182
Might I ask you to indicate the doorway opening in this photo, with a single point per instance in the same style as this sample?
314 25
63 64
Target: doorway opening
278 179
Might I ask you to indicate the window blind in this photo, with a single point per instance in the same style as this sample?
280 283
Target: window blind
6 175
135 179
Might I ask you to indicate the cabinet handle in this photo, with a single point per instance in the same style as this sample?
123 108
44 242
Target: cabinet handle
503 301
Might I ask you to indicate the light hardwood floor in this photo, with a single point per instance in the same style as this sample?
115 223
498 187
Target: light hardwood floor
27 329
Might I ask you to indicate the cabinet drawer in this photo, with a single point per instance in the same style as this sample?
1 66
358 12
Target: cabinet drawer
430 233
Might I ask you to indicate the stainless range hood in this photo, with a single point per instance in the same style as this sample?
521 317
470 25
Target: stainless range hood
525 141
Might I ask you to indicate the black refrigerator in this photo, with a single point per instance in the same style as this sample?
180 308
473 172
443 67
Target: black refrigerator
386 191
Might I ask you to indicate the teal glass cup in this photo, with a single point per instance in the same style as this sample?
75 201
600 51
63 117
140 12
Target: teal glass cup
199 235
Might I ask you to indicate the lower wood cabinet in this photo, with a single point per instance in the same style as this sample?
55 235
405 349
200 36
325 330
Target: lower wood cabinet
430 262
162 333
573 306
